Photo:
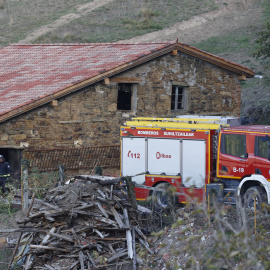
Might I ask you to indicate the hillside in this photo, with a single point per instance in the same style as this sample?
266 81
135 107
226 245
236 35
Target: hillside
223 27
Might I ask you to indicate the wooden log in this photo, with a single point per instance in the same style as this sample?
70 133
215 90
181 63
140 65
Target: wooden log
116 256
106 220
134 249
81 258
27 229
125 212
110 238
28 262
87 213
85 206
63 237
29 218
99 233
91 259
49 267
49 204
131 192
102 210
138 230
47 237
48 248
73 265
129 244
102 180
111 248
20 236
117 218
146 245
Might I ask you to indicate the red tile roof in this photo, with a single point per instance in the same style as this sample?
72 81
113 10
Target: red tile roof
32 75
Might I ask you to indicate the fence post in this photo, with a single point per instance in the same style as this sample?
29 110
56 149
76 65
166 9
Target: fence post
25 165
61 174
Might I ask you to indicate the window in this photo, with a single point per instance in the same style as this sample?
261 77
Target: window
261 147
124 96
234 145
177 98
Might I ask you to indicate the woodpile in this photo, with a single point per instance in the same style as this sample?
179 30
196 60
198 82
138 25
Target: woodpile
87 224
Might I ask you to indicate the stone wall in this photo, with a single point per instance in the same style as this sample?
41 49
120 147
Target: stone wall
90 117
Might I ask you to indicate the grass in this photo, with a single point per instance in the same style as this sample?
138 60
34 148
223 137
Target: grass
5 256
20 17
226 44
123 19
255 92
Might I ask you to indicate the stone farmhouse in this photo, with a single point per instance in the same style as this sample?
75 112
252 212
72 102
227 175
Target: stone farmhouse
64 103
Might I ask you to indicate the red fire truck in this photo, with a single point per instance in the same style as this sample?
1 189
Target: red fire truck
201 154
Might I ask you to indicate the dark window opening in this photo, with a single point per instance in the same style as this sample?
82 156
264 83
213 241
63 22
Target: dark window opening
261 147
177 98
13 157
234 145
124 96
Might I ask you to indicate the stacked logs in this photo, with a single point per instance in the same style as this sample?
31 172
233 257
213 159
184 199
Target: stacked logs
87 224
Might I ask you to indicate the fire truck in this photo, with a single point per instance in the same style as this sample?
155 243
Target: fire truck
198 155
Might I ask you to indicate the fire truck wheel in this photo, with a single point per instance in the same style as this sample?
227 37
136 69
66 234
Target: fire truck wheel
163 199
256 194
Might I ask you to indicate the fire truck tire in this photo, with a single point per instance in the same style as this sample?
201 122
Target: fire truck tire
257 193
163 199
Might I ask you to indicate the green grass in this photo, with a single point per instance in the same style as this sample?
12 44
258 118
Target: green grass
227 43
5 256
20 17
266 12
123 19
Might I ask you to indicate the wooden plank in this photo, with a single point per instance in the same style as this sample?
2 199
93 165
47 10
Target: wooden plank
126 217
87 213
242 78
48 204
126 80
119 255
138 230
48 248
73 265
99 233
134 248
91 259
54 103
106 220
47 237
107 81
111 248
49 267
20 236
63 237
102 210
117 218
122 239
146 245
129 244
174 52
81 258
29 229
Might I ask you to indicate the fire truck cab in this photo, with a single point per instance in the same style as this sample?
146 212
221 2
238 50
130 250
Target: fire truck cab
197 155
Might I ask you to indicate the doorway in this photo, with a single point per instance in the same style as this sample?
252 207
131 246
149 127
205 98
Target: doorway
13 157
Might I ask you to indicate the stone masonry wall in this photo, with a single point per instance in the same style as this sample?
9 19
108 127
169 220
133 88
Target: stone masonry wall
90 117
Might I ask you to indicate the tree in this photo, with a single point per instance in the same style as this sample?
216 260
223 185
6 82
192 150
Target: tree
263 42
